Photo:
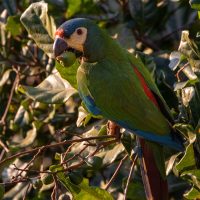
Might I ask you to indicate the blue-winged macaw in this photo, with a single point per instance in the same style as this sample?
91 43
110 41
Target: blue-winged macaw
115 84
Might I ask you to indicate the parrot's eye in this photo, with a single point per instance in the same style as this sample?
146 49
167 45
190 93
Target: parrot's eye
77 39
79 31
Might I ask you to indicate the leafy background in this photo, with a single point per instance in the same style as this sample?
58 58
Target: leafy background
51 147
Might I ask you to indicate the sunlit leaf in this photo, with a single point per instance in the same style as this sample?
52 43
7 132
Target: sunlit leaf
53 89
40 26
189 72
187 46
175 59
92 193
188 161
194 172
181 85
192 194
5 77
73 7
29 139
13 25
21 117
195 4
187 95
170 163
187 130
112 154
82 115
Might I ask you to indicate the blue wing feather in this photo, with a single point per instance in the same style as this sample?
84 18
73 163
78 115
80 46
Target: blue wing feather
165 140
90 104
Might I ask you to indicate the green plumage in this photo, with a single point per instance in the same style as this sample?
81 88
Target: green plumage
118 93
116 84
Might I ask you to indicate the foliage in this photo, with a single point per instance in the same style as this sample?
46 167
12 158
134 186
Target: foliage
50 145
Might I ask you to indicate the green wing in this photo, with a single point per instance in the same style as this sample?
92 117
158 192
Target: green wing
117 92
151 84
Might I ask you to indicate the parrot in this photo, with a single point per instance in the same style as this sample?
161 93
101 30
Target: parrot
115 84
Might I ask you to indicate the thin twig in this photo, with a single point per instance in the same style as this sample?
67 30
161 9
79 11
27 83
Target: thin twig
24 179
41 149
31 161
66 152
129 176
75 155
2 154
4 146
180 70
54 193
116 171
2 121
54 145
24 197
33 170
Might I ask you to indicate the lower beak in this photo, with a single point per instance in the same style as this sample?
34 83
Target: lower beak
59 46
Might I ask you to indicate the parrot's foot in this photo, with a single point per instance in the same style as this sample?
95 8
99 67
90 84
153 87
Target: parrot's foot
113 129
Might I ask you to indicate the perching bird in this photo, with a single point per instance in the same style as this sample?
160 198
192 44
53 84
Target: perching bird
115 84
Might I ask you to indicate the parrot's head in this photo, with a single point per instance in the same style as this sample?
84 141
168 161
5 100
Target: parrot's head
81 36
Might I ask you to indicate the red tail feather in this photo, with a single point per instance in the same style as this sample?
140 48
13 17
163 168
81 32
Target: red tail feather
155 187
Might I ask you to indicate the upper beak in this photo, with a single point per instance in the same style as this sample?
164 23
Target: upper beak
59 46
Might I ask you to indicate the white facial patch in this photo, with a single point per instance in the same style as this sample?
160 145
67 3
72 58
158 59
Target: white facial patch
77 39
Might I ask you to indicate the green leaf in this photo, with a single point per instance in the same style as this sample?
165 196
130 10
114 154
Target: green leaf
136 191
13 25
188 160
29 139
69 73
194 172
73 7
112 154
40 26
193 194
57 156
82 7
81 191
52 90
83 117
195 4
65 179
187 130
175 59
5 77
21 117
187 47
92 193
171 162
128 140
4 164
2 191
184 84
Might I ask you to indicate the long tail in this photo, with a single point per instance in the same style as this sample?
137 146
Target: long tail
154 183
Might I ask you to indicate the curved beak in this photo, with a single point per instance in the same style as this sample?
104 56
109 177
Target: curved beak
59 46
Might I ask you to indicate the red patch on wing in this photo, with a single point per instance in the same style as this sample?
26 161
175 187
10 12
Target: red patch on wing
59 32
145 87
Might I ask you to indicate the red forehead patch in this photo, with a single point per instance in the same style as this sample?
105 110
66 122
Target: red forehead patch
59 32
